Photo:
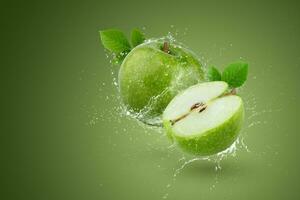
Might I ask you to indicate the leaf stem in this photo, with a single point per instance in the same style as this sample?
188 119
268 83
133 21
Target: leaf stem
232 92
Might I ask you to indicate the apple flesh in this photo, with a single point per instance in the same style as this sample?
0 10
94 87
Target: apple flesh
150 77
204 119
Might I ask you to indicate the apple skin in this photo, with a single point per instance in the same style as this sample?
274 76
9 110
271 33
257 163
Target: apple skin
149 78
214 140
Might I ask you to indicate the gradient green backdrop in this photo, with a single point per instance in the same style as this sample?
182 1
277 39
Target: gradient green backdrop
62 137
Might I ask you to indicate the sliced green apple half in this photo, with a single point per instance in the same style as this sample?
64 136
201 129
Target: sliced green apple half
204 119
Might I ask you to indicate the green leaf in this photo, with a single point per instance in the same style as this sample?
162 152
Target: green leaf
115 41
137 37
235 74
213 74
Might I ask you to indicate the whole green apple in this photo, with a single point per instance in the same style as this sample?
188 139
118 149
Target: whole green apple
152 74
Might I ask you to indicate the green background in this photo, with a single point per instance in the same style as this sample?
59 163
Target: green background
61 133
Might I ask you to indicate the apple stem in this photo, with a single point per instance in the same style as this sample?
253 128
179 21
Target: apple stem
166 47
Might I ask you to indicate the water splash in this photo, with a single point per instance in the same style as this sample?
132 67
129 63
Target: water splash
216 159
120 111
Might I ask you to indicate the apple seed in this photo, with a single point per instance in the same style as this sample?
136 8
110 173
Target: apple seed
199 106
